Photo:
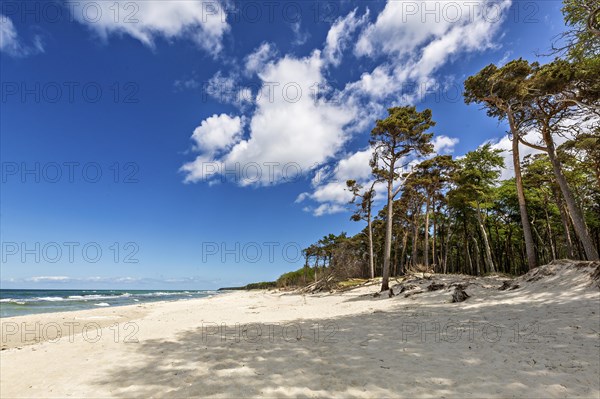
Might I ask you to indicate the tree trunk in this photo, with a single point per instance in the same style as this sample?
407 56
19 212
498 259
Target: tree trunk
468 254
396 253
576 214
550 235
446 244
403 255
433 240
415 240
488 251
477 256
565 222
387 252
427 233
371 261
509 253
527 234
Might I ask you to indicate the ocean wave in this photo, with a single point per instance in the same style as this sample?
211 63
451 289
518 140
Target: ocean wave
95 296
12 301
49 299
102 304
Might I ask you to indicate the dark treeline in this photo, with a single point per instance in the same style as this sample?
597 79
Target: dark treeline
455 215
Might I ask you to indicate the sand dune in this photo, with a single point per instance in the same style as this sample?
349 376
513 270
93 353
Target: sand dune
538 337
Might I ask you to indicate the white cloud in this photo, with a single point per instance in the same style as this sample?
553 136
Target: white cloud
39 279
203 22
289 126
568 130
415 44
505 144
339 36
256 61
404 26
217 132
328 209
330 189
12 45
335 191
9 41
312 134
444 144
356 166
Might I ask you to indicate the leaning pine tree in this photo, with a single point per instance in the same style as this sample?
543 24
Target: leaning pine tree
395 139
503 95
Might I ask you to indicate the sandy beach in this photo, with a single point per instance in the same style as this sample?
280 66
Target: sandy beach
540 339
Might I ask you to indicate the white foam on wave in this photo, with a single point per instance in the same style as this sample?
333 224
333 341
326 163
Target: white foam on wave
103 304
50 299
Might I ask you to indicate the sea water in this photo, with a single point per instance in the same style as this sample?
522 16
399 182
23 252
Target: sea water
15 302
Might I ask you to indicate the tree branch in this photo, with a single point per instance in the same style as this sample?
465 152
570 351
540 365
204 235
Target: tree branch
528 144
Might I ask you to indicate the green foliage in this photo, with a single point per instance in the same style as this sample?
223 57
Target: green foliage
264 285
583 37
477 176
478 220
402 133
500 89
297 278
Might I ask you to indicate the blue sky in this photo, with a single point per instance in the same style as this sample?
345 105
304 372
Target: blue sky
132 133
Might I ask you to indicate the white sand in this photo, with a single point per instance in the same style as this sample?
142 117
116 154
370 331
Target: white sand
375 350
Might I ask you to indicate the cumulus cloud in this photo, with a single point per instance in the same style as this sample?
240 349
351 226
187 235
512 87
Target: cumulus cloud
11 44
444 144
290 128
205 23
405 53
217 132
